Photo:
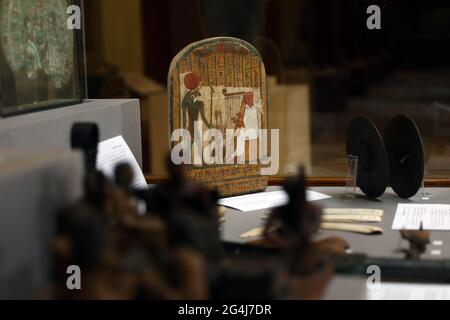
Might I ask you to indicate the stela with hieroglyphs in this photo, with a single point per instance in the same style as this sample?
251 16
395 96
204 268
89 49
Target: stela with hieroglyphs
220 84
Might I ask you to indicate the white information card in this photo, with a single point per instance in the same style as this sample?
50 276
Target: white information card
428 217
116 151
265 200
409 291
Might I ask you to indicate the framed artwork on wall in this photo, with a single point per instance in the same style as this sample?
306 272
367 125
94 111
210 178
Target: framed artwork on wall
42 59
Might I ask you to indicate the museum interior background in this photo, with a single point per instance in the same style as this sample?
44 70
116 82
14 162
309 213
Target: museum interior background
325 67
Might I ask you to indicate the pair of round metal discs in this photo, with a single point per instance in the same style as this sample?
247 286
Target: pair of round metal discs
396 160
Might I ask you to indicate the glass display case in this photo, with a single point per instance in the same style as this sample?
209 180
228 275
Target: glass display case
41 55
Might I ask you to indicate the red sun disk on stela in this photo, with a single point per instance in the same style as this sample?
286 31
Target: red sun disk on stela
192 81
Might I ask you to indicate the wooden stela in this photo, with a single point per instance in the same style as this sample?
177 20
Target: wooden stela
220 84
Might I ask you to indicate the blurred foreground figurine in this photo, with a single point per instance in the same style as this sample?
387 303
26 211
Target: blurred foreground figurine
292 228
298 222
418 242
121 254
191 211
172 250
85 137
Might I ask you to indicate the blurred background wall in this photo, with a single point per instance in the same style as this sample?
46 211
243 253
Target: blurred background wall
115 33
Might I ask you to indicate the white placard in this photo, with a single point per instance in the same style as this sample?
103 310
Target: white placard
116 151
430 217
408 291
265 200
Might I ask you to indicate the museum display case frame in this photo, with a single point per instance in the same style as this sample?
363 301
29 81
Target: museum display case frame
79 78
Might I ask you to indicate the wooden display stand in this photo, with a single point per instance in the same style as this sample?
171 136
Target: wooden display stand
220 83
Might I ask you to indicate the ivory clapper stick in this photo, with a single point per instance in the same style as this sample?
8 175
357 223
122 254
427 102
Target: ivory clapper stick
350 215
350 218
254 233
354 228
350 211
346 227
